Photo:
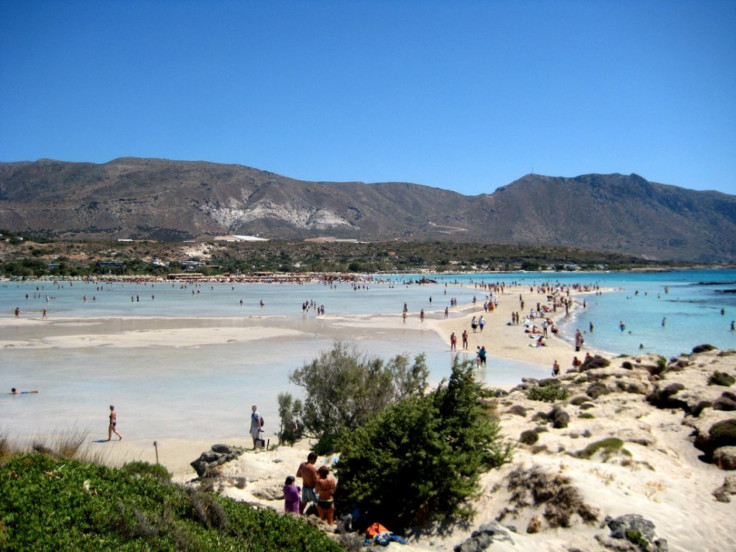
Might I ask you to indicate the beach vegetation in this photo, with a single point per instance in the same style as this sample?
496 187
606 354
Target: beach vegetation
606 447
66 258
344 387
420 459
52 503
547 393
721 378
529 437
290 412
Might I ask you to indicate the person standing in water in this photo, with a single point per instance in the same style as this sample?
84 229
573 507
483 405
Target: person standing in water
112 428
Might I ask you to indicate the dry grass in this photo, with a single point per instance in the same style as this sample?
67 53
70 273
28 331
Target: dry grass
69 444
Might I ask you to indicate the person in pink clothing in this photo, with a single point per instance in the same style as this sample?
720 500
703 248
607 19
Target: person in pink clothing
291 495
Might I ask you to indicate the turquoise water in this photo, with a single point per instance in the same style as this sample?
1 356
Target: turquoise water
205 391
697 306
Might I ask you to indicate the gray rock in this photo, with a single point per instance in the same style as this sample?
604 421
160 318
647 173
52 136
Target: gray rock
631 522
484 537
725 458
724 492
724 403
636 533
211 459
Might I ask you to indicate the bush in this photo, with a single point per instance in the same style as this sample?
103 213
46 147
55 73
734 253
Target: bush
420 459
144 468
345 387
52 504
721 378
290 411
549 393
607 446
529 437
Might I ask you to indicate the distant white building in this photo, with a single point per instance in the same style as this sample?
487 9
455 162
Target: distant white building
236 237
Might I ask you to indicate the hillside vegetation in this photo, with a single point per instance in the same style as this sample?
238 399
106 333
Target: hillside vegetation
20 257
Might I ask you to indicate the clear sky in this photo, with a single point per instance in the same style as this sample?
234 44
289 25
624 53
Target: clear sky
461 95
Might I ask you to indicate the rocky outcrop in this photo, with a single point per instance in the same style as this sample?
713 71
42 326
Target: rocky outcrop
481 539
724 492
632 533
217 455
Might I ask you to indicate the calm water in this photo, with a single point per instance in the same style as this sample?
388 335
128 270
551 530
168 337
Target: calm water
170 391
698 307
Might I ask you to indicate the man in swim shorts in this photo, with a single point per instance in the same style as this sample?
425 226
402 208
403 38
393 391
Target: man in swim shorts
308 472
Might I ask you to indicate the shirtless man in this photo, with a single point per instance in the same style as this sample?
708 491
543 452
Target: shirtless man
308 472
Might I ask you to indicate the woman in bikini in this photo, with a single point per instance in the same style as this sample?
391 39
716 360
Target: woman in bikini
113 423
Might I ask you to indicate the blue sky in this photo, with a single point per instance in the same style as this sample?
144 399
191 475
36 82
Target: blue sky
460 95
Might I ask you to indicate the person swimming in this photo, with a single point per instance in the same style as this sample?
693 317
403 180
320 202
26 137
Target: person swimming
14 391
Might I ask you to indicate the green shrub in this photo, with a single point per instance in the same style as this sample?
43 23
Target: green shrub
290 412
420 459
529 437
52 504
549 393
364 385
145 469
608 446
721 378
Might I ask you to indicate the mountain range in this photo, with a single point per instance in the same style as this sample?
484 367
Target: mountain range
158 199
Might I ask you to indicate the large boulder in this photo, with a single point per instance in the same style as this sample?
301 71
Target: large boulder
217 455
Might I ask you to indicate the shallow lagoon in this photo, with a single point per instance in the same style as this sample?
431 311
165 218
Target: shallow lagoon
193 391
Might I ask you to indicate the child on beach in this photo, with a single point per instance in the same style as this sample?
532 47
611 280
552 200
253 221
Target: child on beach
291 495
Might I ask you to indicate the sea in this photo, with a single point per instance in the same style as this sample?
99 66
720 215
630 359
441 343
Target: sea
205 391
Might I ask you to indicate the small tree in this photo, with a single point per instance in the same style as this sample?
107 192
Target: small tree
420 460
345 387
290 411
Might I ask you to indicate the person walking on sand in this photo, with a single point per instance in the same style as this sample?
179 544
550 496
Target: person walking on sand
465 339
112 428
256 426
308 472
453 342
326 485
